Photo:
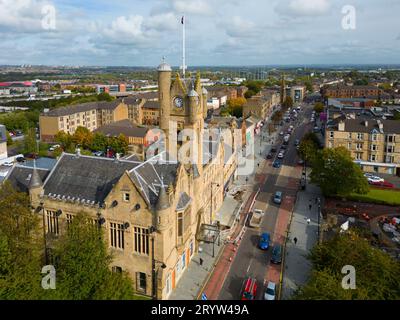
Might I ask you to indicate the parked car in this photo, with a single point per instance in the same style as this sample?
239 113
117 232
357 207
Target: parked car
20 159
98 153
276 254
269 155
301 161
283 147
281 133
8 163
273 149
270 292
316 129
278 197
277 164
54 147
374 179
264 241
297 142
280 155
250 289
383 184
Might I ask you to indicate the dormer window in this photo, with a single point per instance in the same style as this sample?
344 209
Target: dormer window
126 196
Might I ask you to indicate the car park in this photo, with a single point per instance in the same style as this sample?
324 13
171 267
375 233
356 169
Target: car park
276 256
270 291
263 244
278 197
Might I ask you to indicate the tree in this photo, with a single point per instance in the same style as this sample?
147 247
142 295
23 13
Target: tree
29 144
119 144
99 142
20 246
288 103
307 150
104 96
249 93
336 173
65 140
396 115
376 272
82 137
319 107
83 265
309 86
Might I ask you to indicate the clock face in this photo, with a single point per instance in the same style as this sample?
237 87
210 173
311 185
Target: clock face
178 102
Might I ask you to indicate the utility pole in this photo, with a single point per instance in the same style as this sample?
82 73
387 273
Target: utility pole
183 46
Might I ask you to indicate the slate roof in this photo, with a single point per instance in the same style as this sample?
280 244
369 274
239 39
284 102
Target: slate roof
125 127
151 105
358 125
149 176
83 107
85 177
183 202
20 177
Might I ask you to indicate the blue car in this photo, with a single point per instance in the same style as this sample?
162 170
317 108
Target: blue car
276 164
264 241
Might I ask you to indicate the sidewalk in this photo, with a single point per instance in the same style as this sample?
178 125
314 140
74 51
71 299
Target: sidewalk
297 267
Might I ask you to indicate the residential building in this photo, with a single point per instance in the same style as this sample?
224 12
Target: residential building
262 104
373 144
3 142
89 115
298 93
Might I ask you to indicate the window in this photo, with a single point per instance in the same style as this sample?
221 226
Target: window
141 238
359 156
390 138
180 224
126 196
349 135
349 145
116 269
374 147
52 222
372 158
117 235
359 146
390 149
331 133
389 159
360 136
374 137
141 281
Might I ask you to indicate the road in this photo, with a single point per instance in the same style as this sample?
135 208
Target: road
250 260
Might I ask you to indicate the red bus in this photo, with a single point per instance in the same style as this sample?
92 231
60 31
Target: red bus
250 289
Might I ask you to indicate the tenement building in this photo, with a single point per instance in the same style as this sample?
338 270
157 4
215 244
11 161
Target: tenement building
154 213
89 115
374 144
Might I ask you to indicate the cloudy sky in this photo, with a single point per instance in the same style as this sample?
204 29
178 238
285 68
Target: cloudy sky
219 32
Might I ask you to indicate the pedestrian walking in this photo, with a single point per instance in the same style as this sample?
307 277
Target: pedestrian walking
316 200
309 206
308 221
201 261
295 240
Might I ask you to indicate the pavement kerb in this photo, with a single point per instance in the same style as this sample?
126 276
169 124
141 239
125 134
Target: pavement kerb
221 251
284 247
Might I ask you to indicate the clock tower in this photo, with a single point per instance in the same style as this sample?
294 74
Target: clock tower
183 102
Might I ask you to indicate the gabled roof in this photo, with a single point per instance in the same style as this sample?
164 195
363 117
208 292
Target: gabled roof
85 177
183 202
124 127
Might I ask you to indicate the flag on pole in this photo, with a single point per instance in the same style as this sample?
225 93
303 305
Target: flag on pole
183 20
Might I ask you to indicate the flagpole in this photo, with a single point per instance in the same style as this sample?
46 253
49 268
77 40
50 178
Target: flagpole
183 47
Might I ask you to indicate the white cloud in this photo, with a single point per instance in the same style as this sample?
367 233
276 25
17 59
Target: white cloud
191 6
238 27
303 7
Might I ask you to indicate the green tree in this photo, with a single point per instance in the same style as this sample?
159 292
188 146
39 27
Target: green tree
336 165
376 272
104 96
309 86
83 265
65 140
99 142
119 144
249 93
29 144
21 249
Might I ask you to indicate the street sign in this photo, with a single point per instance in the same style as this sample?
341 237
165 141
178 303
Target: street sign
203 296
